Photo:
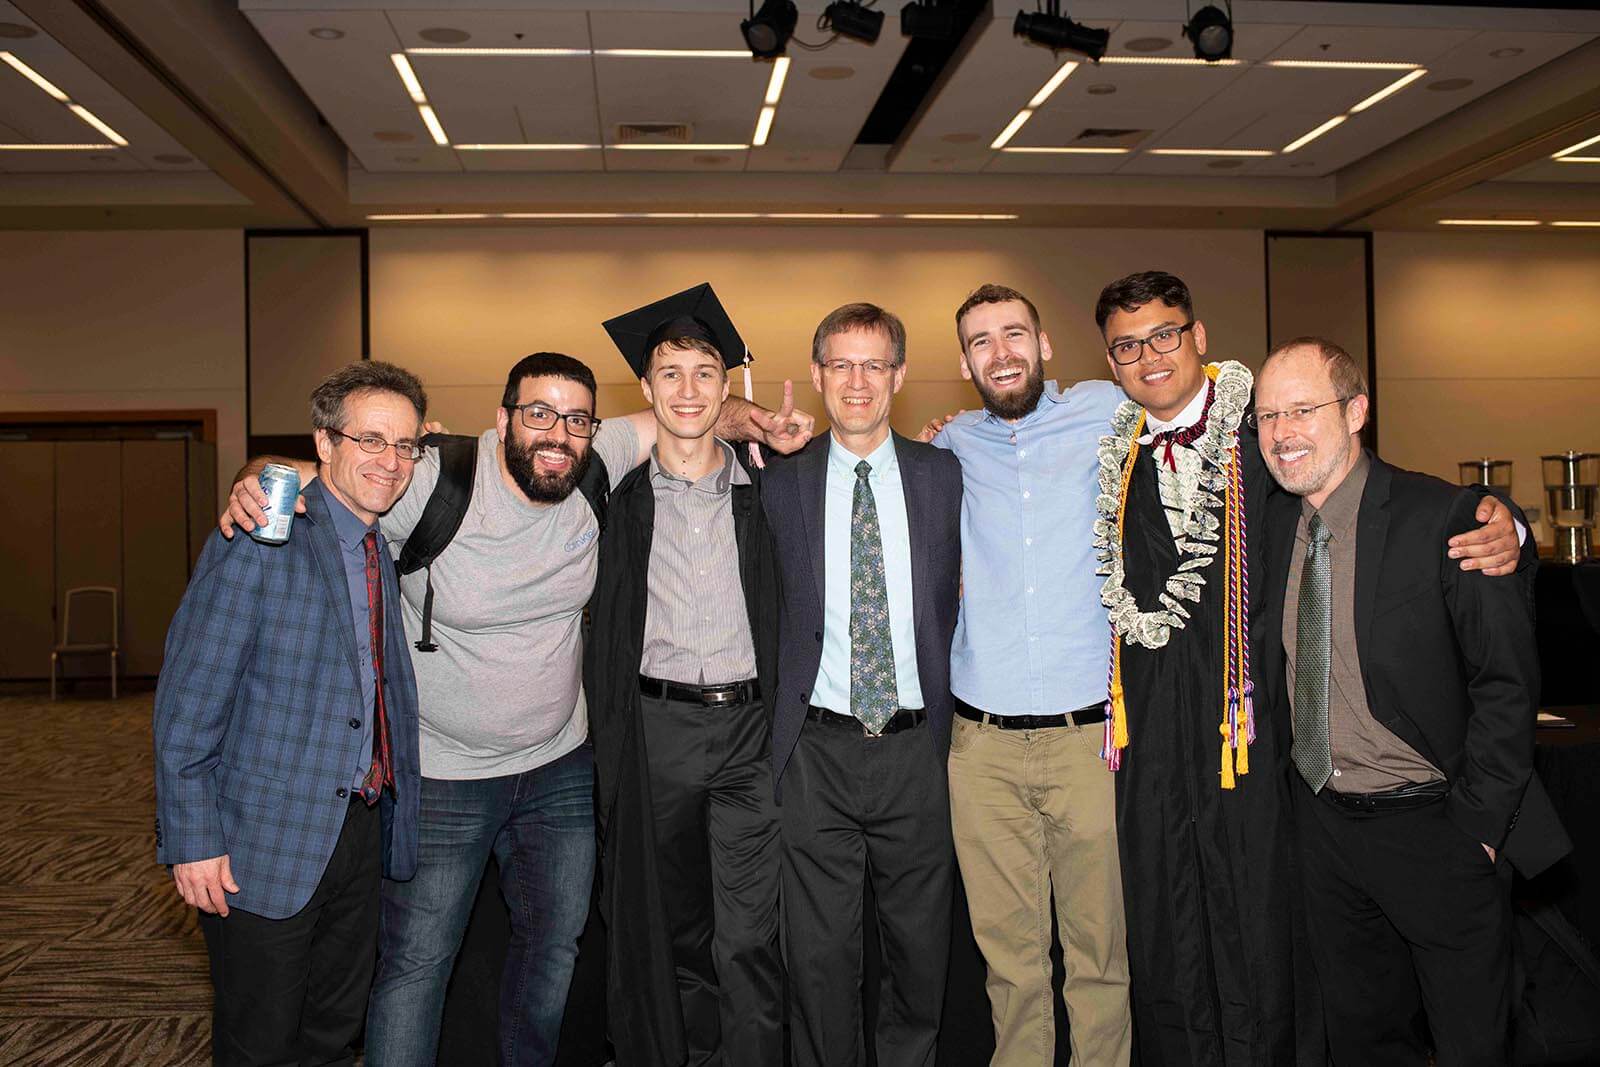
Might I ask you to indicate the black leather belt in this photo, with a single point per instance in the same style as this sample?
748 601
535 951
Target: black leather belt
711 696
1406 798
1082 717
904 719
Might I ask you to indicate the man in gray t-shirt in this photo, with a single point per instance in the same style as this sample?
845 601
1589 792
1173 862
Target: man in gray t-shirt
505 767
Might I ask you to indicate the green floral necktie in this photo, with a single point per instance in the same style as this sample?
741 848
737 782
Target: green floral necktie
874 698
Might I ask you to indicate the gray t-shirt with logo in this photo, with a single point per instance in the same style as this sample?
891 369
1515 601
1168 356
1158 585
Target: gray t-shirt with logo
503 693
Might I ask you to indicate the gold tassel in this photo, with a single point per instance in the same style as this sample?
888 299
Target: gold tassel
1227 763
1241 755
1119 711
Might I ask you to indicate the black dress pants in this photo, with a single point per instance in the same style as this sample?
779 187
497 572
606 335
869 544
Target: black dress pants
293 992
717 837
856 808
1407 917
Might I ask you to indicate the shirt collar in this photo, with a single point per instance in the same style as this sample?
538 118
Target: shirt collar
715 483
1052 394
1184 419
345 523
1340 510
883 458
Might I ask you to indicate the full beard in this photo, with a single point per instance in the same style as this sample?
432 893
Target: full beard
1014 404
536 486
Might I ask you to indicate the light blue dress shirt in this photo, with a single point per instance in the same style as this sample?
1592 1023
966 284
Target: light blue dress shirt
1032 636
352 533
832 690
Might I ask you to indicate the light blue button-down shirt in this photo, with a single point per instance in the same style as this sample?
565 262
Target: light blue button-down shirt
832 690
1032 636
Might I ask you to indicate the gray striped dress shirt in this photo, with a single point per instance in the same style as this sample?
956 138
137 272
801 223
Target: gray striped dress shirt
696 628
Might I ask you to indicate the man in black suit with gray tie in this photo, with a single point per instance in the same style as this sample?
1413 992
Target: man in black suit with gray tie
867 528
1412 687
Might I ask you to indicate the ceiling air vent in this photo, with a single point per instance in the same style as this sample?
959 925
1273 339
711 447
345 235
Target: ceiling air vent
1102 137
654 133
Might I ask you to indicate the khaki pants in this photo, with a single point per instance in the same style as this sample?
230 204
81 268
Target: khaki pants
1034 810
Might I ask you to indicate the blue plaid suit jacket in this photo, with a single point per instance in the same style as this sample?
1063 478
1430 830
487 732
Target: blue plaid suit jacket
255 754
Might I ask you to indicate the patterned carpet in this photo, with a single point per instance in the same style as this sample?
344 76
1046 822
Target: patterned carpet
100 963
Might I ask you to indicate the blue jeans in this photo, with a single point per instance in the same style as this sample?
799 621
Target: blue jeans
540 827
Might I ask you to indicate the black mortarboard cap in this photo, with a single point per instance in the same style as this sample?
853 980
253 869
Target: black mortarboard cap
695 313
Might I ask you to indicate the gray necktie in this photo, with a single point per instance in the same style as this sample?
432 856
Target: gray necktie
874 697
1312 753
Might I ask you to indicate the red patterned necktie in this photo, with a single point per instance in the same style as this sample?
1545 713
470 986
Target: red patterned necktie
382 771
1186 436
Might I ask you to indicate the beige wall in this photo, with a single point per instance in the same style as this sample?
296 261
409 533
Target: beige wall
109 320
1487 346
461 306
305 323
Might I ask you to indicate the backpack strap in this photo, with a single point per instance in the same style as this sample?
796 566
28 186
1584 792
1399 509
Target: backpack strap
441 517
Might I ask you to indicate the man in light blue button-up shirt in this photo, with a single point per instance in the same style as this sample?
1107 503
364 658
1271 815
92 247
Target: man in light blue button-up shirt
1032 804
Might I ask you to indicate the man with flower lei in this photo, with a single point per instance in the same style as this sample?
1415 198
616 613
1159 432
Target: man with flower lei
1215 943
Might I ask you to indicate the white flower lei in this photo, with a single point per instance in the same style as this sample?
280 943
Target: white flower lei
1202 513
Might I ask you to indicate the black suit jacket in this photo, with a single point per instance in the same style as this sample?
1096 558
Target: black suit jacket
1448 656
793 494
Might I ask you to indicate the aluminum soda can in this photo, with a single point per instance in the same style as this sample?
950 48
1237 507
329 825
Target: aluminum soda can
282 485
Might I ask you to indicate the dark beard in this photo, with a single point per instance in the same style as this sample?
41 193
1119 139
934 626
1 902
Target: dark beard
544 488
1014 405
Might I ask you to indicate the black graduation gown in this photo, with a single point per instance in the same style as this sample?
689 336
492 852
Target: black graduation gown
644 1014
1216 949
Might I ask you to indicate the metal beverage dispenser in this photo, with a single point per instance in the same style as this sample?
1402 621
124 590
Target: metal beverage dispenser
1495 473
1571 480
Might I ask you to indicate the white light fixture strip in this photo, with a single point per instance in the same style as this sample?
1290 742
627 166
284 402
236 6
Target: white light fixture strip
56 147
769 103
1490 222
1305 139
1169 61
624 53
1389 90
50 90
1580 223
526 147
1052 85
591 216
1012 127
1068 150
1249 152
1339 64
677 147
408 78
1567 153
497 52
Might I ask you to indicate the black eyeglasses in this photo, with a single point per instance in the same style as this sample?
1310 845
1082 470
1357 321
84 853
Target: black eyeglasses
1161 342
409 451
1296 415
540 417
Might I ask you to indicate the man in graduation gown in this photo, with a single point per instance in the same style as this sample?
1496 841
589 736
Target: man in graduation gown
1220 972
682 647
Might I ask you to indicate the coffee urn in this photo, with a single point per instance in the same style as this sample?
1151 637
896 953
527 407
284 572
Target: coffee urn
1571 480
1495 473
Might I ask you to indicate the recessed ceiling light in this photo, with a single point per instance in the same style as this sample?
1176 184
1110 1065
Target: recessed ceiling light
1507 53
1448 85
1061 75
30 147
832 74
677 147
1170 61
1389 90
173 158
393 136
1148 44
1490 222
1011 129
444 35
1211 152
959 138
326 33
524 147
437 216
1339 64
1580 223
1567 154
825 215
951 216
498 52
1068 150
1101 89
16 31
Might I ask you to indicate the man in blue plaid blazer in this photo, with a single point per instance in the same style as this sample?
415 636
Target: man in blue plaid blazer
287 777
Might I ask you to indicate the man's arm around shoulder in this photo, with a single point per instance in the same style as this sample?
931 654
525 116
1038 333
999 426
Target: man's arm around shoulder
1494 629
208 651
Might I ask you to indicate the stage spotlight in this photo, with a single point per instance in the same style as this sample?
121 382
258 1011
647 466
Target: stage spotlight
1211 30
928 19
1059 33
767 31
853 19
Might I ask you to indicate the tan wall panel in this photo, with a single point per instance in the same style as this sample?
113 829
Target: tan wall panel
88 525
27 536
1485 347
1317 287
459 307
305 321
124 320
154 538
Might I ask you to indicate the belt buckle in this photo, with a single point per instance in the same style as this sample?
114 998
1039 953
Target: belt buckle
722 694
